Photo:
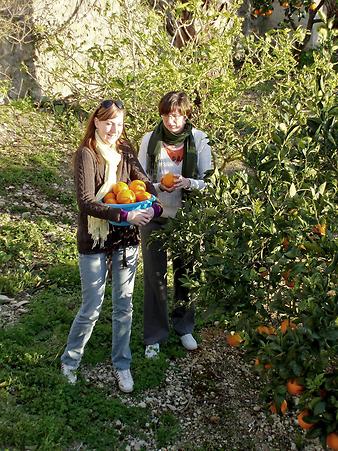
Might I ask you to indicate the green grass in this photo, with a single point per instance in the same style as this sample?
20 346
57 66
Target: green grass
40 409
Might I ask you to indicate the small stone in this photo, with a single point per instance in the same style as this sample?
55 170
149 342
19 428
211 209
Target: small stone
142 404
214 419
5 299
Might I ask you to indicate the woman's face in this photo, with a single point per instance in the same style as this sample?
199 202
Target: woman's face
111 129
174 121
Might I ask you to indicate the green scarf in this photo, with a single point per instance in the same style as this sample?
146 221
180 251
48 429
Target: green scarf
161 134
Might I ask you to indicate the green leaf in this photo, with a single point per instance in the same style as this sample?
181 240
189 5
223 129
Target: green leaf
292 190
267 165
322 187
319 408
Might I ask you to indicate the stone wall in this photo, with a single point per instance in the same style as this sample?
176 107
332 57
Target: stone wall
30 64
24 57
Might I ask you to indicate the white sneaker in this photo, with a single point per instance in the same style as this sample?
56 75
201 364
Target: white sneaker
189 342
69 372
152 351
124 380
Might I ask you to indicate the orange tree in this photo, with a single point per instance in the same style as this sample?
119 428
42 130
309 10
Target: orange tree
263 248
294 12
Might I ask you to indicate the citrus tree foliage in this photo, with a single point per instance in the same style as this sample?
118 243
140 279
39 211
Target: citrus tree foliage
263 247
224 73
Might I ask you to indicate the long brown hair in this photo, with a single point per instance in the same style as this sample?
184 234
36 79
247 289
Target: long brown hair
108 109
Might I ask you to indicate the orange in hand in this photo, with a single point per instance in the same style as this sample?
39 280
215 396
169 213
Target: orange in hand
142 195
168 180
137 185
126 196
119 186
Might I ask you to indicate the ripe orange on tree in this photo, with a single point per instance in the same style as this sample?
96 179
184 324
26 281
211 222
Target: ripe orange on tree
287 324
268 330
302 423
332 441
119 186
126 196
233 339
142 195
267 366
294 387
313 6
168 180
137 185
283 407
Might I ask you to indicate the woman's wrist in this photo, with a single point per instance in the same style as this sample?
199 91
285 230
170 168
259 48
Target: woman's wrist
123 215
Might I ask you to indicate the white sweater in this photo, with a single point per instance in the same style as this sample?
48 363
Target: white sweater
171 202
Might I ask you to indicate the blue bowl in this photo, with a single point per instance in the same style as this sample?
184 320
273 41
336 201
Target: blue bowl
129 207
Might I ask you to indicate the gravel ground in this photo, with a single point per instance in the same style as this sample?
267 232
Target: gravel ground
212 392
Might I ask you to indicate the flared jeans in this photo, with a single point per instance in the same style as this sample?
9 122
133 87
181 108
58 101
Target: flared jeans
93 272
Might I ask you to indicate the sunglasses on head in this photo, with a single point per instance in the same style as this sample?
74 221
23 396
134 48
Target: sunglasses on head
108 103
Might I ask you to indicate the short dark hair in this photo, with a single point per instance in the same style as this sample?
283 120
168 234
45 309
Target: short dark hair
175 100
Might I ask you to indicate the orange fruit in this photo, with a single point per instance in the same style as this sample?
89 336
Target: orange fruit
119 186
268 330
283 407
168 180
233 340
137 185
287 324
109 198
126 196
303 424
294 387
312 7
332 441
142 195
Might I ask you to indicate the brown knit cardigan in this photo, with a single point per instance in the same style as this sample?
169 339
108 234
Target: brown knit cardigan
89 177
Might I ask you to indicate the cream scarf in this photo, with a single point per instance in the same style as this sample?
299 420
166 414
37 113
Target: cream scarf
99 228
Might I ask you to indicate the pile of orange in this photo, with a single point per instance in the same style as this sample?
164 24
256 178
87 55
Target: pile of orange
127 194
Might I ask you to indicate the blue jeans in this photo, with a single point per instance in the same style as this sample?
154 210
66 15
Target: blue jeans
93 272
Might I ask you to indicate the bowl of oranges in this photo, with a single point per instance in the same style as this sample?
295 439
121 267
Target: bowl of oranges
129 197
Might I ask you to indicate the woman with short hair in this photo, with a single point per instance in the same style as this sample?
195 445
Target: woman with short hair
174 147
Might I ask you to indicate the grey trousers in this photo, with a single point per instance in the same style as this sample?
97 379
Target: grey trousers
156 319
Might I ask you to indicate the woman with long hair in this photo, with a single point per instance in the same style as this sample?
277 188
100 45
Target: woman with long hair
104 158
